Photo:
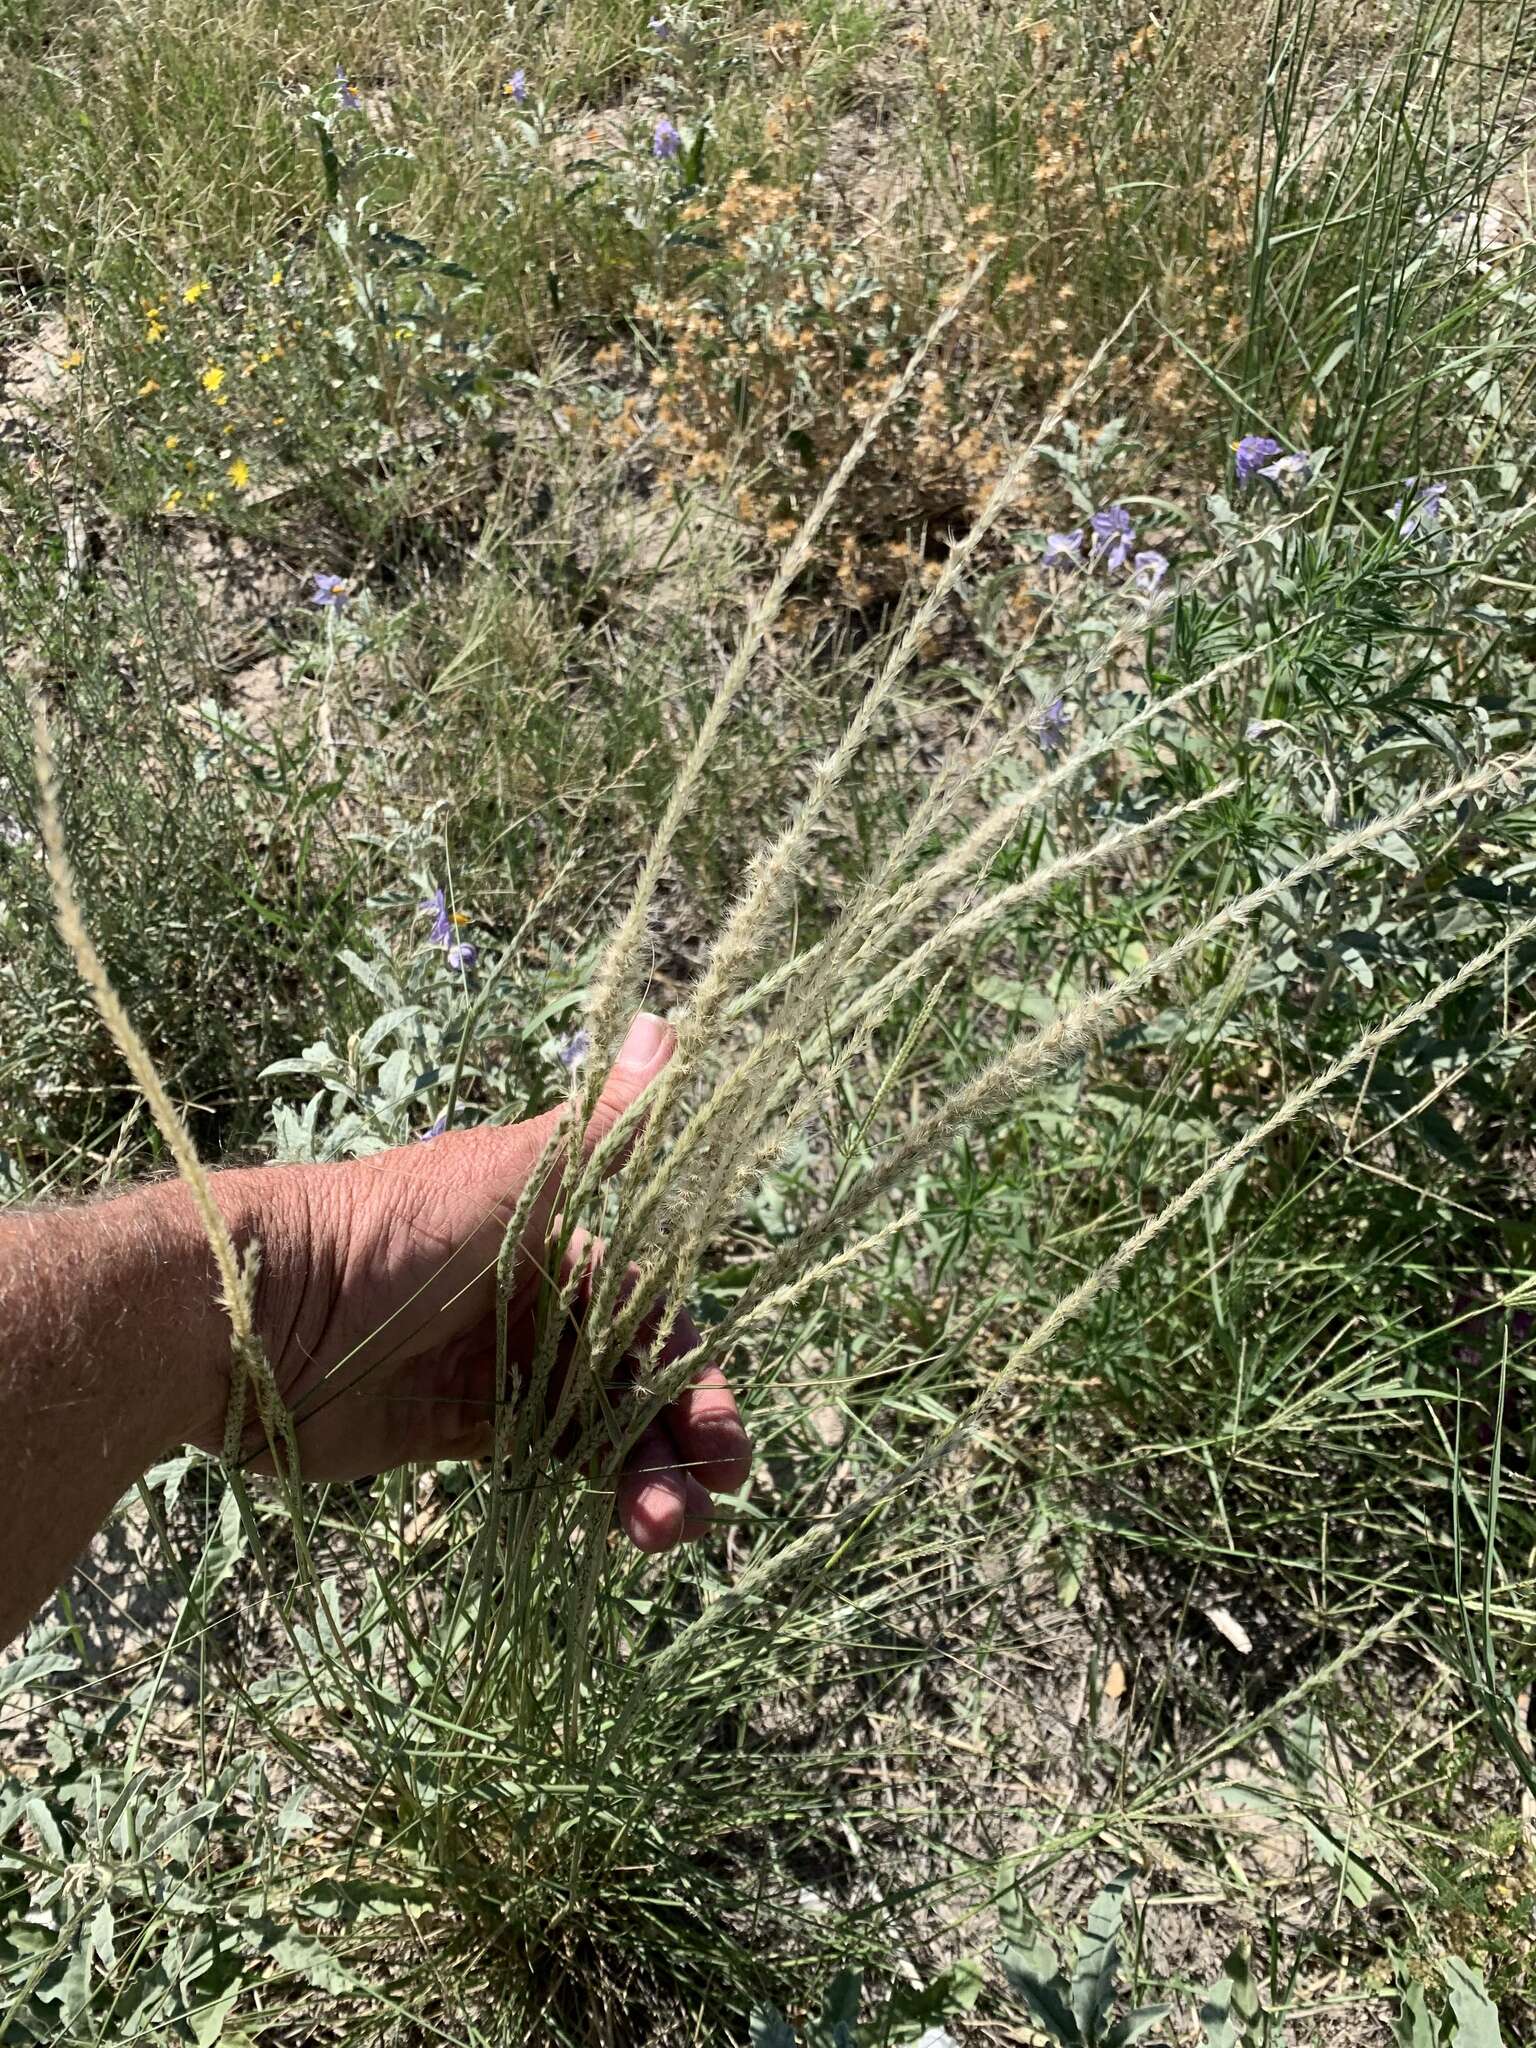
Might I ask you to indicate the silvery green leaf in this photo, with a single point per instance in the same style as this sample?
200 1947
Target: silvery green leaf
179 1824
169 1475
1476 2015
1413 2027
1098 1959
1136 2023
1033 1973
47 1830
382 1027
31 1666
102 1931
313 1961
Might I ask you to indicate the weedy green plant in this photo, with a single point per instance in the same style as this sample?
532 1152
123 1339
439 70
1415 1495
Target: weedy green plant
1081 2011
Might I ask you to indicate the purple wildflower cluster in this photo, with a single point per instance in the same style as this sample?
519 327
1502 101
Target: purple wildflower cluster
516 87
330 593
1262 455
666 140
459 953
346 92
1419 509
1051 726
1112 546
574 1050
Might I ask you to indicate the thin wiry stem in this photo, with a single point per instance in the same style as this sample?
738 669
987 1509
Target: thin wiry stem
237 1276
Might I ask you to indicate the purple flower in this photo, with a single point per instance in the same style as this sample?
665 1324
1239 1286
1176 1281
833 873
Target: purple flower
445 922
660 28
1251 453
346 95
329 592
1424 504
665 141
1113 535
575 1049
516 86
1063 550
436 1128
1290 469
443 919
1148 570
1051 726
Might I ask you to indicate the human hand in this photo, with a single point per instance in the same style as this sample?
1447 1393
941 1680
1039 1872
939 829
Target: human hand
376 1300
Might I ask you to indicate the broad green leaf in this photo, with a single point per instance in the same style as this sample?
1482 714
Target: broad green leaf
1033 1973
1477 2017
1136 2023
1098 1959
1413 2027
840 2000
102 1931
768 2028
314 1962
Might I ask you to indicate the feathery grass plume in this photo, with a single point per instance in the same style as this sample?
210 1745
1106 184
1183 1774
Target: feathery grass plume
845 1037
1015 1070
775 867
1018 1068
737 1102
614 976
237 1276
764 1570
882 907
882 996
866 927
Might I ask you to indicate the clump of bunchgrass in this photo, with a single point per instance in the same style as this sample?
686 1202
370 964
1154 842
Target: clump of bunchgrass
552 1747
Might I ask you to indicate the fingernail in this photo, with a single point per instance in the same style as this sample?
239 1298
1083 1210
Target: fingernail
643 1041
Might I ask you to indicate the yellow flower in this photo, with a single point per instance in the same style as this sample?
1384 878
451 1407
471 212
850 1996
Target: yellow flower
173 440
221 401
239 473
194 292
153 331
213 377
73 360
206 500
276 278
148 387
172 500
279 419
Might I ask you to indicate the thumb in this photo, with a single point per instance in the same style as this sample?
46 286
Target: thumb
648 1044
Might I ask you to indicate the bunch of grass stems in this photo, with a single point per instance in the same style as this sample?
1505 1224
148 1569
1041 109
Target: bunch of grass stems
790 1029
